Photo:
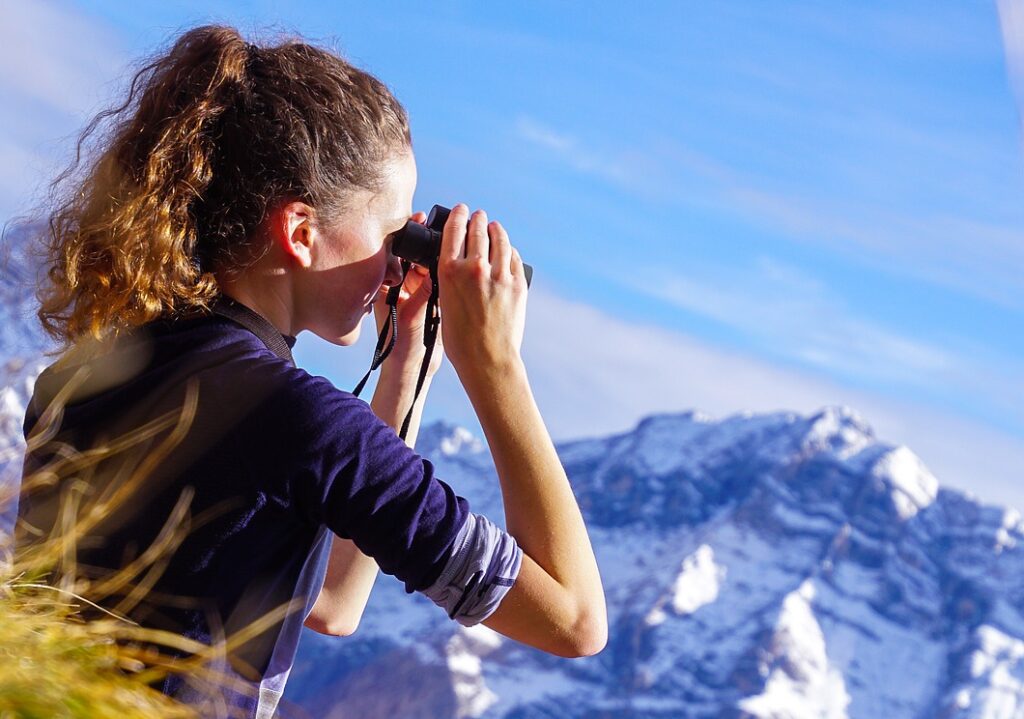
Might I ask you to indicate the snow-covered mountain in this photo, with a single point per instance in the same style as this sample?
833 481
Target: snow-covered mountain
755 566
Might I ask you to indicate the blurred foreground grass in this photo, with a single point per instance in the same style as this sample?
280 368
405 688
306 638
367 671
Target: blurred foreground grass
53 664
62 654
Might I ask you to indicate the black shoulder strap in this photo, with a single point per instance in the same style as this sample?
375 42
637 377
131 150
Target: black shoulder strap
256 323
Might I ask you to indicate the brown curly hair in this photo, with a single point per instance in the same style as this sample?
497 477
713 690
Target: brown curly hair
221 131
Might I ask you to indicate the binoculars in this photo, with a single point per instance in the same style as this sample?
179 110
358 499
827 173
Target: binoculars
421 244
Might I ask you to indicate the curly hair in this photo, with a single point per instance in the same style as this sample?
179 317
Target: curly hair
214 133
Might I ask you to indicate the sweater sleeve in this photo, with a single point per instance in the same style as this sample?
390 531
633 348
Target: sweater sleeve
357 477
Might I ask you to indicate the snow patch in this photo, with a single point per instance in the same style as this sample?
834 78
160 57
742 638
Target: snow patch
1008 531
914 487
838 430
699 581
460 440
996 688
800 682
464 653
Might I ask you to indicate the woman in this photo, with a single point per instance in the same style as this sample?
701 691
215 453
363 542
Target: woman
249 194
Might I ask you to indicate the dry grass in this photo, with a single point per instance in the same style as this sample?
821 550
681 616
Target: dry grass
56 663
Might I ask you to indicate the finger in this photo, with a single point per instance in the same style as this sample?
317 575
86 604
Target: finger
419 217
416 279
478 245
517 263
453 237
417 271
501 250
417 297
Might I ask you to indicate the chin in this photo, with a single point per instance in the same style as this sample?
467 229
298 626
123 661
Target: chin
344 340
347 340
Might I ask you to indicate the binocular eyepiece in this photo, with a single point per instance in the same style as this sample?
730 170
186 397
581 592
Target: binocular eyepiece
421 244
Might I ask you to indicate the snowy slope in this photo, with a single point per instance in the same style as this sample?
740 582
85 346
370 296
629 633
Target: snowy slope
755 566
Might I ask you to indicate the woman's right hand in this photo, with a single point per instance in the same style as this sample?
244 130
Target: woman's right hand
482 294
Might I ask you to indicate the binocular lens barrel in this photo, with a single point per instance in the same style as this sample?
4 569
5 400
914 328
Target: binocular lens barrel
422 243
417 243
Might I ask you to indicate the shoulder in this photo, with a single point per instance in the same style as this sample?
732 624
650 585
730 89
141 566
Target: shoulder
310 395
318 419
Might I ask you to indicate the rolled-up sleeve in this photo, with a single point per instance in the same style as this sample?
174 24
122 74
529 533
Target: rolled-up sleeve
484 564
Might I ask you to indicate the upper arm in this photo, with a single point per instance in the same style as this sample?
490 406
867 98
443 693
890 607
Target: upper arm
366 485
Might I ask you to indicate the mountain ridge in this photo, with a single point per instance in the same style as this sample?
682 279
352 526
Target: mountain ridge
814 571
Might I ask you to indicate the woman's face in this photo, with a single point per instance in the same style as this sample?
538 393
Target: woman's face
352 262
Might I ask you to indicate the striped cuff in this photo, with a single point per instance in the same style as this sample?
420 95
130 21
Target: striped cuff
484 564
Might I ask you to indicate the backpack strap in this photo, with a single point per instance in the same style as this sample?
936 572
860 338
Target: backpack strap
256 323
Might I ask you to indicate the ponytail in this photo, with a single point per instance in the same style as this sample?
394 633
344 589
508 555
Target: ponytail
221 130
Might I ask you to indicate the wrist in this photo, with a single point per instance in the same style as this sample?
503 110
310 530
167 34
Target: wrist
483 376
400 382
403 368
393 396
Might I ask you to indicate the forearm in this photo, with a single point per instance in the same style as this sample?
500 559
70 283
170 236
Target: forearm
540 508
346 589
393 397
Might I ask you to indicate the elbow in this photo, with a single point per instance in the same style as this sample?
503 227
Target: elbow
332 629
589 635
345 630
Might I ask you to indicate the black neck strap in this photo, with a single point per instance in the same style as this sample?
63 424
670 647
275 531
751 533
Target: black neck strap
256 323
389 333
432 322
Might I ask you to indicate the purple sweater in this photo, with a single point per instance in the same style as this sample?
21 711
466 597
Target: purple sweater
274 462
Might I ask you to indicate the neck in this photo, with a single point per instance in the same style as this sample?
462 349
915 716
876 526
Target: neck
272 302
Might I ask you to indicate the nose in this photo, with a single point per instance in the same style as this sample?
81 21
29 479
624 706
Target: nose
394 275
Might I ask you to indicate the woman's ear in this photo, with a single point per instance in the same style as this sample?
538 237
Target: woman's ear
292 230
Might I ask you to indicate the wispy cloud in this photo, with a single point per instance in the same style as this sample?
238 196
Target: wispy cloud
979 257
594 374
546 137
615 169
792 316
1011 23
976 255
53 55
795 316
56 68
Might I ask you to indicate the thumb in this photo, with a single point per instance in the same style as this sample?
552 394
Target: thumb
415 293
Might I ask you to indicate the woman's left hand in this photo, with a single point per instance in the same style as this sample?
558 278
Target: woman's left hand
407 354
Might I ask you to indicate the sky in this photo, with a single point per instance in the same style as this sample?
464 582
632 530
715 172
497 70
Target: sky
735 206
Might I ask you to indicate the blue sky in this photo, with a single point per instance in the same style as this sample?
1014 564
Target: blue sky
729 206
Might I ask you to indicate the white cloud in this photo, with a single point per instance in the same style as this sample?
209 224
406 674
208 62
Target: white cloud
624 169
544 136
978 257
798 317
593 374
